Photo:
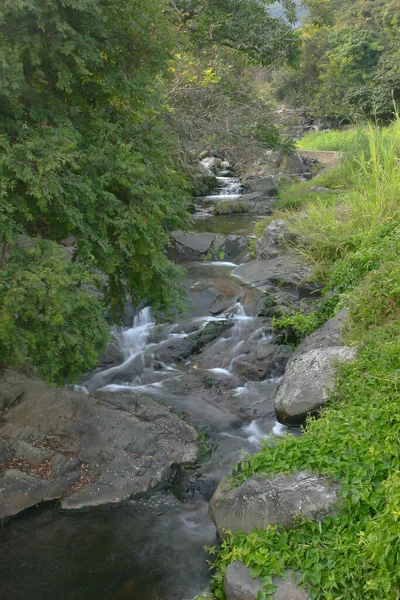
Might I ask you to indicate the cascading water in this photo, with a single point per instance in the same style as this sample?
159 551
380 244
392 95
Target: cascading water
152 548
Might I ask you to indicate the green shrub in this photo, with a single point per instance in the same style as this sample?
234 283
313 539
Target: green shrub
48 315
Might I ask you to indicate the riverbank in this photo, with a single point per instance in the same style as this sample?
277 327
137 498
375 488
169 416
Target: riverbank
348 228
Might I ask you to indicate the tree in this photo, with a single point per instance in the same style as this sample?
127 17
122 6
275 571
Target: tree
84 154
248 26
349 62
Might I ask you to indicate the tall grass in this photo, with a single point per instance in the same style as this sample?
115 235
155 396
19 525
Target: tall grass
327 230
339 140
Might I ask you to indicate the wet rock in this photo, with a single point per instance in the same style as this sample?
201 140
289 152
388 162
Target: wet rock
199 242
177 350
111 357
210 332
19 491
327 336
261 501
240 585
198 246
263 360
103 448
307 383
273 240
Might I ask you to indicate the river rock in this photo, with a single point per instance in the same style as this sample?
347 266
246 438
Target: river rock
292 164
240 585
98 449
327 336
261 501
272 242
259 360
265 185
276 274
307 383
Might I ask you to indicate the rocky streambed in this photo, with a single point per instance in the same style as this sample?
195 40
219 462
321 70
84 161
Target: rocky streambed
154 430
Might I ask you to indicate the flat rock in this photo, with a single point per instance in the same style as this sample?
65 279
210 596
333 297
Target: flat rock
288 270
327 336
261 501
19 491
102 448
199 242
240 585
266 185
307 383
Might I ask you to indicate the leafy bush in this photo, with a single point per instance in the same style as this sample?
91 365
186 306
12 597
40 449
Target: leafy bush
48 314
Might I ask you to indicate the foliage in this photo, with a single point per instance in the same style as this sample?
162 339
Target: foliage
248 26
355 553
48 313
349 63
83 151
226 111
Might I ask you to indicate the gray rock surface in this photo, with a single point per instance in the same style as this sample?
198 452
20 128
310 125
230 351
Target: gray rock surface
240 585
273 240
198 246
266 185
99 449
276 274
307 383
262 500
292 164
327 336
199 242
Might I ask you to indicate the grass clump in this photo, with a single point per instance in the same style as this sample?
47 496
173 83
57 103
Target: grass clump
355 245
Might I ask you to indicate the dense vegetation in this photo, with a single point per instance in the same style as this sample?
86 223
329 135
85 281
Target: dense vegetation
353 239
350 60
87 159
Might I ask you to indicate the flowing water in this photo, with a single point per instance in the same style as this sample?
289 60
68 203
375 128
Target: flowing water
153 548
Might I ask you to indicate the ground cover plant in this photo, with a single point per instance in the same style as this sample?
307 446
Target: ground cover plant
355 247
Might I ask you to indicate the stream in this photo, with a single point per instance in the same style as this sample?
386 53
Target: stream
154 548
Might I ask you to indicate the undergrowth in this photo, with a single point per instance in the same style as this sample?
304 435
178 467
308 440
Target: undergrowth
354 243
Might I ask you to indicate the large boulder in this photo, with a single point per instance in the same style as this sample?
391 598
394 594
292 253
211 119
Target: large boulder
327 336
307 383
292 164
204 180
275 276
261 501
273 240
266 185
240 585
87 450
